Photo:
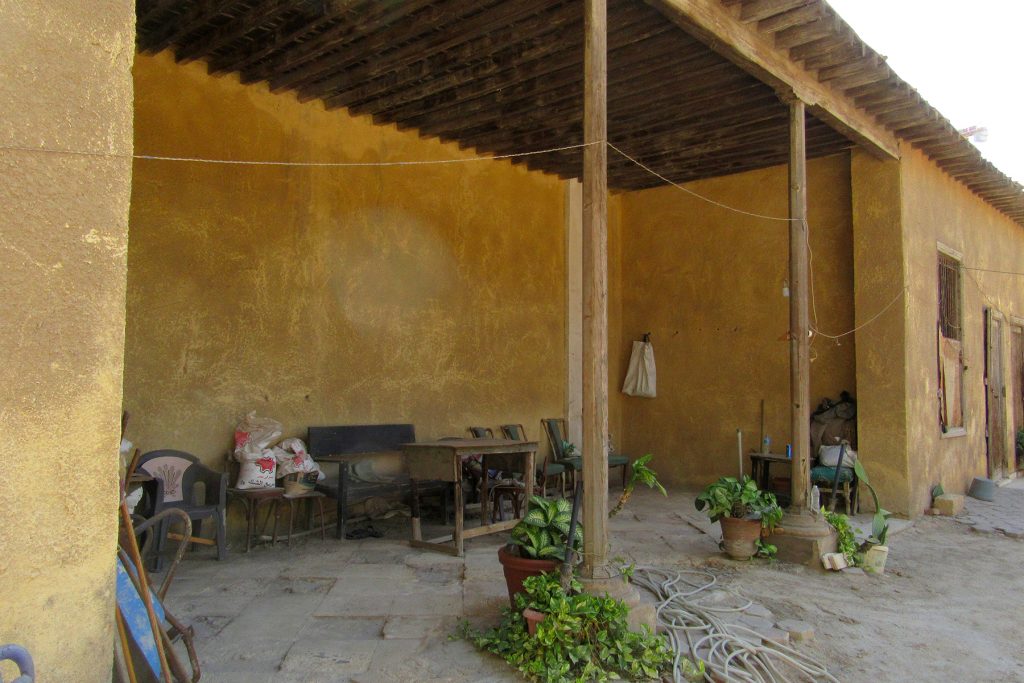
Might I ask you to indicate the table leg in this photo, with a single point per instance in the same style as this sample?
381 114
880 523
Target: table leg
528 477
457 536
485 516
417 532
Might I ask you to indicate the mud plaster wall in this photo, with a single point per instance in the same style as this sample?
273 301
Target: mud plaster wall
879 275
939 209
432 294
707 283
63 234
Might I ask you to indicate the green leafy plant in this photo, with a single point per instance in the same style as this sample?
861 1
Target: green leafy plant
765 549
543 531
880 520
639 473
582 638
847 541
1020 442
741 499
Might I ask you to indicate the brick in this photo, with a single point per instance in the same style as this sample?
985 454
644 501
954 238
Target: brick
949 504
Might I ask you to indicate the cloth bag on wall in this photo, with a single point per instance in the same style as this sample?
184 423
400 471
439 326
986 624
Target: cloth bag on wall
641 378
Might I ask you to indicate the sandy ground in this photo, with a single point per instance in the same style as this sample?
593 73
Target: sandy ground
950 606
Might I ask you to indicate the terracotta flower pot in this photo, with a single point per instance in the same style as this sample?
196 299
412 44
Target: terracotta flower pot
519 568
739 536
533 617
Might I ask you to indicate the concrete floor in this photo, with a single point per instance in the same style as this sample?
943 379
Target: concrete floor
378 610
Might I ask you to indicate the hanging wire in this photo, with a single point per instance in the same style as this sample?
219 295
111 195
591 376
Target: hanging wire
310 164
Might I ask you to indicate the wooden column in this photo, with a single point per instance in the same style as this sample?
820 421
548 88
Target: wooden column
595 287
799 317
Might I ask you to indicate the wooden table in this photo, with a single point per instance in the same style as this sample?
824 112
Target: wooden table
442 461
760 464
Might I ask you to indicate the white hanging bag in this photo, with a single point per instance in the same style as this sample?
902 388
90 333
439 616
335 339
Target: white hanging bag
641 378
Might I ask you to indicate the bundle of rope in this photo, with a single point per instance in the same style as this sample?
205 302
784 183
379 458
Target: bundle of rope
703 630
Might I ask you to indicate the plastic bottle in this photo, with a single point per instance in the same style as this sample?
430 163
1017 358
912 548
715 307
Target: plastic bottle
815 499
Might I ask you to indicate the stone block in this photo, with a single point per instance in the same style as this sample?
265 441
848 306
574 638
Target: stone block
797 630
412 628
949 504
775 636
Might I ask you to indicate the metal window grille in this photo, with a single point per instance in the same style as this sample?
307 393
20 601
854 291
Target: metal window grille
950 318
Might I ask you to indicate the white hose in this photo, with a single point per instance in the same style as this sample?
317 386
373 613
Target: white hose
729 651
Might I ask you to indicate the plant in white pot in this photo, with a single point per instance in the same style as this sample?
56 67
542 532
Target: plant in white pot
874 548
745 513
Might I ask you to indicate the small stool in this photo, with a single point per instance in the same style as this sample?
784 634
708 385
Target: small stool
512 490
252 500
291 500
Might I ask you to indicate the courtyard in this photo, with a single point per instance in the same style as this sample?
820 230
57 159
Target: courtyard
377 610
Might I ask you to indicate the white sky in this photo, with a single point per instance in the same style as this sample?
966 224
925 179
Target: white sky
965 58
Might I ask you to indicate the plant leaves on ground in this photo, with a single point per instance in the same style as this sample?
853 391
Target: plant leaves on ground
582 638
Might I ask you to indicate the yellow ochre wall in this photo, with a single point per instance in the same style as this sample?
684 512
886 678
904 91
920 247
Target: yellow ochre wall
881 319
939 209
707 283
425 294
63 236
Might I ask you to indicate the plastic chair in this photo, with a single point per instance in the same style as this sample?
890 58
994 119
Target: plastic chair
176 474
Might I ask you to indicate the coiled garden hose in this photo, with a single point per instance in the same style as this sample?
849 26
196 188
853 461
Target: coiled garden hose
730 652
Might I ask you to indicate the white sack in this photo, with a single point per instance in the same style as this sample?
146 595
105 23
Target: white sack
257 431
258 469
292 457
641 378
829 456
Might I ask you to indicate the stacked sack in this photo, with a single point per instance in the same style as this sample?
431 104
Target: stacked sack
261 463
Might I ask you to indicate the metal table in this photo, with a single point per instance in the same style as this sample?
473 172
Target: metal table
442 461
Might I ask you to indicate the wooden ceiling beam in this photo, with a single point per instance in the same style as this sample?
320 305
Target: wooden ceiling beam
758 10
196 19
388 42
257 16
710 22
281 40
550 36
534 80
352 27
803 14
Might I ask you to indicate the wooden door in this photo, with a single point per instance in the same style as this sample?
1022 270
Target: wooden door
1017 386
995 395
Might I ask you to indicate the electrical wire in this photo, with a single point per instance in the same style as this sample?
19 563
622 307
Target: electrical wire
730 651
308 164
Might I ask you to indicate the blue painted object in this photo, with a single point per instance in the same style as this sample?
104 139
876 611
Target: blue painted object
23 660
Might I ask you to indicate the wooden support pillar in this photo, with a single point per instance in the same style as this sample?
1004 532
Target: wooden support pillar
799 306
595 287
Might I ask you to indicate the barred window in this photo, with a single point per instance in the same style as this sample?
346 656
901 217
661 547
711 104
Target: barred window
950 344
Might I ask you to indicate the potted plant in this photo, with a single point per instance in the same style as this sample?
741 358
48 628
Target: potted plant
538 542
745 513
582 637
875 549
539 539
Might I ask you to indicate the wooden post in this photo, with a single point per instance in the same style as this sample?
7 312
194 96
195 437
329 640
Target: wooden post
595 287
799 317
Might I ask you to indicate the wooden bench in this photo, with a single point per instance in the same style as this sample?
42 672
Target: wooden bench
346 444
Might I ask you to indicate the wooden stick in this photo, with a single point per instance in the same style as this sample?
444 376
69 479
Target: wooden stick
147 597
126 656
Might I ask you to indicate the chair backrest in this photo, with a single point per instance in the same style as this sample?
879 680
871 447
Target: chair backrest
344 439
172 468
481 432
555 429
513 432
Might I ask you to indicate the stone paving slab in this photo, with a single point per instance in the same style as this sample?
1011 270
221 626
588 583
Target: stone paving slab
1004 515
